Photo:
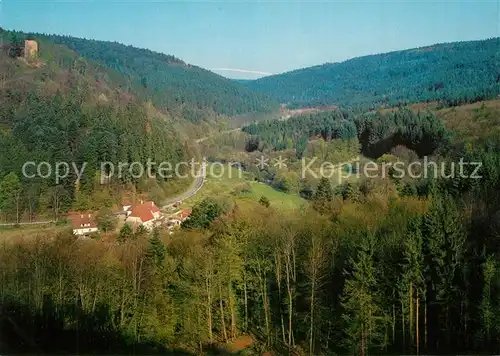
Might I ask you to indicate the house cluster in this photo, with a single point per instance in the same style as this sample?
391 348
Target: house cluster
84 224
149 215
177 219
146 214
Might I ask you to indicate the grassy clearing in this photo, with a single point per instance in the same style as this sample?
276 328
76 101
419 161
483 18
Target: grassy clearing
230 182
279 200
473 121
469 122
12 233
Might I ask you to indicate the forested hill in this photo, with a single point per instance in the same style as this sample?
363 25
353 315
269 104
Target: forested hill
455 73
58 107
175 87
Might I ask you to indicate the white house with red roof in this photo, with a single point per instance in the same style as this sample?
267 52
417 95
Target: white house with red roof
126 205
178 218
84 224
146 214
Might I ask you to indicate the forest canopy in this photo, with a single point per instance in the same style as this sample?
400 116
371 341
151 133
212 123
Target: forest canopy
377 133
453 73
59 107
179 88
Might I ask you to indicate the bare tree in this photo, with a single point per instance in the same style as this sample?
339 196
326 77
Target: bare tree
316 269
57 196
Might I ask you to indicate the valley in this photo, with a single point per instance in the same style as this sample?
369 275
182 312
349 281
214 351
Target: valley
346 208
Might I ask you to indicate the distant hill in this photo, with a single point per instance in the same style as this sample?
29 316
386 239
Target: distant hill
454 73
173 86
242 81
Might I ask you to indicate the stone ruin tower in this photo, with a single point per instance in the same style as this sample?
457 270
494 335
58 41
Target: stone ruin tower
30 49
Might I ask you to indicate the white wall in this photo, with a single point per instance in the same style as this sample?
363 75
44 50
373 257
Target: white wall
84 231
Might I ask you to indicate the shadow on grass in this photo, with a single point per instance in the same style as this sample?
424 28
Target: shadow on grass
23 330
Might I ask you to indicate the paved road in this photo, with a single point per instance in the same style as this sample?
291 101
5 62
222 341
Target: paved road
199 180
197 184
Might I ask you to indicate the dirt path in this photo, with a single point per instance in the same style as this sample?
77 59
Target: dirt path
218 134
28 223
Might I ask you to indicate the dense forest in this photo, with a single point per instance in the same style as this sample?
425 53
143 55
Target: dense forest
174 86
452 73
375 270
388 265
60 108
377 133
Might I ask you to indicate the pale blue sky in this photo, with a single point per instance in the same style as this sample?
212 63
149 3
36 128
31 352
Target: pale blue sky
266 36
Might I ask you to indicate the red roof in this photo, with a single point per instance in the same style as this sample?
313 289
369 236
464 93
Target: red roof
144 211
83 221
184 213
152 206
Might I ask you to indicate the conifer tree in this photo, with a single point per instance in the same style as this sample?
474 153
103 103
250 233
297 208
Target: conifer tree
125 233
444 248
324 190
487 310
141 231
156 249
323 195
411 286
363 315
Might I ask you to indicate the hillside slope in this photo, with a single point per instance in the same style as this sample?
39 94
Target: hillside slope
59 107
456 73
174 86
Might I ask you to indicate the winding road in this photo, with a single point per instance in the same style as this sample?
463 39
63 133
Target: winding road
195 186
199 179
